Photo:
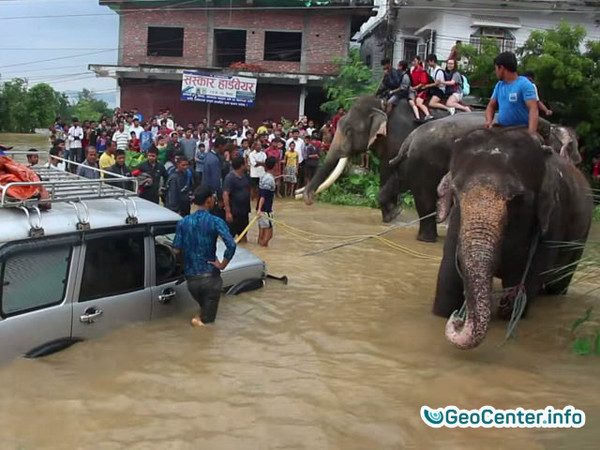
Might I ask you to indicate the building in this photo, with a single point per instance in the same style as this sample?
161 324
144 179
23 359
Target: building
421 27
289 45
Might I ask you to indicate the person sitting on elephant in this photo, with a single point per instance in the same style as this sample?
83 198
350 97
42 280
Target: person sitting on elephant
454 87
515 98
417 96
437 86
395 84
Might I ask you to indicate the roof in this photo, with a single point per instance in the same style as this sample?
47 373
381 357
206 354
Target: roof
62 218
479 20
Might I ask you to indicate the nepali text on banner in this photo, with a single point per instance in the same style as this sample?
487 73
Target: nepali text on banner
220 89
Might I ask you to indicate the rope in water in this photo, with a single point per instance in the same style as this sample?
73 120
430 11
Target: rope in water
309 236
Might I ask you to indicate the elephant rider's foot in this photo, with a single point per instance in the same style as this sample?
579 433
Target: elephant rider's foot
419 121
428 118
196 322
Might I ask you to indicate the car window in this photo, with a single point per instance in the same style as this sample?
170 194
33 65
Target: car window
113 265
34 279
168 265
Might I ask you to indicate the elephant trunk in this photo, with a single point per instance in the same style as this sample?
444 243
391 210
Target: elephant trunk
328 173
483 215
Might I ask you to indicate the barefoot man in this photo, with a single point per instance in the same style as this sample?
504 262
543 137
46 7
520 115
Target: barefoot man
196 237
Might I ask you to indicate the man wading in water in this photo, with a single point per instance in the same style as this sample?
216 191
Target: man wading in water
196 237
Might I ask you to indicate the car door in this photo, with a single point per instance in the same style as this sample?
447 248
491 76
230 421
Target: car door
35 299
169 288
113 284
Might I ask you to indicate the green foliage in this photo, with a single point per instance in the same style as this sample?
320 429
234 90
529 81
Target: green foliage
354 79
23 109
597 213
480 68
359 190
588 341
89 108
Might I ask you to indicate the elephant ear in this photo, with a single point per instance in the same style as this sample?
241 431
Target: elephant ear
378 126
548 197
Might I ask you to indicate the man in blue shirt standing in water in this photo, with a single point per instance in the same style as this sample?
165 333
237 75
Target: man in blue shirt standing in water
514 97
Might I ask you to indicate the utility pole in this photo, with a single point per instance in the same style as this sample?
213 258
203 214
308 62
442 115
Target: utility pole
390 35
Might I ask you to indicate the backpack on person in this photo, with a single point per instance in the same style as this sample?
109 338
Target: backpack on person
466 87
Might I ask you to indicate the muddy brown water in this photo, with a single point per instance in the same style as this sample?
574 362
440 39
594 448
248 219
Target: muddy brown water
343 357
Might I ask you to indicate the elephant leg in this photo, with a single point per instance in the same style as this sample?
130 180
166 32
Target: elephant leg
560 278
388 199
425 202
449 295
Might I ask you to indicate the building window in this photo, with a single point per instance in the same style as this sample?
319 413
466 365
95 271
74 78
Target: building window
165 41
230 47
369 61
113 265
504 38
283 46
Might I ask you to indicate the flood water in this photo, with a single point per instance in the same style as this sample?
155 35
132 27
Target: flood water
343 357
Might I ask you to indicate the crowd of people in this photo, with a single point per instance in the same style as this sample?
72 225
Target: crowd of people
229 157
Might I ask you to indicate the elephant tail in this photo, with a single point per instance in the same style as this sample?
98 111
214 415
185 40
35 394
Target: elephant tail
404 150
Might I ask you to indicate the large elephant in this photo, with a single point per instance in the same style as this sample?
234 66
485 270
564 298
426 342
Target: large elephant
424 158
366 125
520 213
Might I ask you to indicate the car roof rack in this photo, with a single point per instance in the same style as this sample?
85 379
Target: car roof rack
66 187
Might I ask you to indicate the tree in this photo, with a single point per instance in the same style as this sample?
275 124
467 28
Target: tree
41 103
567 73
90 108
354 79
480 67
13 109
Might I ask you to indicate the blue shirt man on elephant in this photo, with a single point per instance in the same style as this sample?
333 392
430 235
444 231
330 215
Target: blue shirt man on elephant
514 96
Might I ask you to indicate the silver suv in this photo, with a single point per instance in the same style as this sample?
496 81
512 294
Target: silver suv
98 259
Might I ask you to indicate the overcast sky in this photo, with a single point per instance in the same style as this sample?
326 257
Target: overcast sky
70 42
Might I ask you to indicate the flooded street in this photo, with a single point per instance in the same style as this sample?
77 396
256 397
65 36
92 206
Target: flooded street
343 357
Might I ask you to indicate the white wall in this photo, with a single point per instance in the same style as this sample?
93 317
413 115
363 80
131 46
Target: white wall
452 26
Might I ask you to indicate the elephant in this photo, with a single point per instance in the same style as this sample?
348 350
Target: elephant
520 213
424 158
366 125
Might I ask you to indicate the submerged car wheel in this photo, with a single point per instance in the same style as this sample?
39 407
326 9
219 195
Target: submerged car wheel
245 286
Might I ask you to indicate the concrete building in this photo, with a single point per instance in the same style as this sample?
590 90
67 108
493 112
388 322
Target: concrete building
288 45
420 27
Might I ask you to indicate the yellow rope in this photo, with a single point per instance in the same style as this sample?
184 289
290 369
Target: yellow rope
241 236
304 235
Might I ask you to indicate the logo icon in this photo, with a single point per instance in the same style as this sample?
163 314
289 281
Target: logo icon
432 417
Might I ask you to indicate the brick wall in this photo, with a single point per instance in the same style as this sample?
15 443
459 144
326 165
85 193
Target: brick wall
326 37
149 97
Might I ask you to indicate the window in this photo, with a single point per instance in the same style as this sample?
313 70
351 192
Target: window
113 265
369 61
504 38
283 46
230 47
165 41
168 266
34 279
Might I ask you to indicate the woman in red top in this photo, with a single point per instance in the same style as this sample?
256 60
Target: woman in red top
416 96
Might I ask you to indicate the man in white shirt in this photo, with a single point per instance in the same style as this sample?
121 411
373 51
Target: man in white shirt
121 137
299 144
136 128
437 89
56 163
257 160
75 138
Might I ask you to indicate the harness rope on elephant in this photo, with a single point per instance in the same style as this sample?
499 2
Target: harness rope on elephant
519 292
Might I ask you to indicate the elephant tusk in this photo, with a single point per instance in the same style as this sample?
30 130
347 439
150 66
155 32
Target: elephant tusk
299 191
299 196
341 165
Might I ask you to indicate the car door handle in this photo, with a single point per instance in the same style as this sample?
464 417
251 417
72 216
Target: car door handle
90 315
167 295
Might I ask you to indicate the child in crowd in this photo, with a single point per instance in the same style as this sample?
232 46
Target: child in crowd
199 159
290 173
266 189
134 142
102 142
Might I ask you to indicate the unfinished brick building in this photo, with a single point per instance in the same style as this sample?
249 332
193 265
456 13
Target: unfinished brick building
288 45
